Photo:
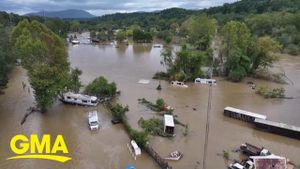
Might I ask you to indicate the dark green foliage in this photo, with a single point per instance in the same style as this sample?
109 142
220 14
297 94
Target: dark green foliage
58 26
158 107
121 36
140 137
7 57
245 7
44 55
245 54
282 26
237 65
153 126
165 35
141 36
160 103
119 111
74 80
101 88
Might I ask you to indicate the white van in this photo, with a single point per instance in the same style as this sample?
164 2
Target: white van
93 120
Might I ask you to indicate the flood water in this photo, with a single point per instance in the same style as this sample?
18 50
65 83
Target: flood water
125 65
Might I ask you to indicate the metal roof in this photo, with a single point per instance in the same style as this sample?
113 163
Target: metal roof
269 162
93 116
169 120
277 124
247 113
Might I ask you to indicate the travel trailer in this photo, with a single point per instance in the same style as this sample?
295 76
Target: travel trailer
80 99
205 81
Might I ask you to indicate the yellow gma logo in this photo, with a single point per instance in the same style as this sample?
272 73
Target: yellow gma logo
33 148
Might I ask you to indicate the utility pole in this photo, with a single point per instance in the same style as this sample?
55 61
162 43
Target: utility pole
208 108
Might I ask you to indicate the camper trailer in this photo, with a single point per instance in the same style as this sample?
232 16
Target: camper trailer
205 81
80 99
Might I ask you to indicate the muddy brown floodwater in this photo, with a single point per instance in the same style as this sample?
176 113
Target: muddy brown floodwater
106 149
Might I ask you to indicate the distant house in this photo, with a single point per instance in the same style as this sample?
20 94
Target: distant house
169 125
269 162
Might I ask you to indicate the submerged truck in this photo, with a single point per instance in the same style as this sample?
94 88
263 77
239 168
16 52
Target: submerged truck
251 150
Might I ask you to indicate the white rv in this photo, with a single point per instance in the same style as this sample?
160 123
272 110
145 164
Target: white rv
80 99
179 84
205 81
93 120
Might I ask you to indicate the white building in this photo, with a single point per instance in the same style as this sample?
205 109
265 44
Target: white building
169 125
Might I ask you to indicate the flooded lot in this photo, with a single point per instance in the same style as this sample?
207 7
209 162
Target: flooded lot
126 65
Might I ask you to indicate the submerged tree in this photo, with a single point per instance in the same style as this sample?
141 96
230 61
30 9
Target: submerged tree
74 80
263 56
121 36
100 87
236 41
44 55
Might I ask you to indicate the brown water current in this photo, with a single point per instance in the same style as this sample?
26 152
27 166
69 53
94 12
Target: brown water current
106 148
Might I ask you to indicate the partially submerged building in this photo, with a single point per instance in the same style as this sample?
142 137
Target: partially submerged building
169 125
269 162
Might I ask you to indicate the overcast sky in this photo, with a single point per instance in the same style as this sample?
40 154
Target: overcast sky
100 7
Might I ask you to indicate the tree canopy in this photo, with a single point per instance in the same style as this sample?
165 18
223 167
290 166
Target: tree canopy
44 55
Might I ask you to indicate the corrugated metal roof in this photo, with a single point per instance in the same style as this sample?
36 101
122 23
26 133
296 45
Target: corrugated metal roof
169 120
247 113
269 162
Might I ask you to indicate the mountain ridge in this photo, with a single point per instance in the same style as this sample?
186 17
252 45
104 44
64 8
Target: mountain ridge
64 14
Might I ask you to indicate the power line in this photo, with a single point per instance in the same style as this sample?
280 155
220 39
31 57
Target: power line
208 114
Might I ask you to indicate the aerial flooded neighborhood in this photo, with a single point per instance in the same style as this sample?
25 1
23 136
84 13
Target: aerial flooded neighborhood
150 84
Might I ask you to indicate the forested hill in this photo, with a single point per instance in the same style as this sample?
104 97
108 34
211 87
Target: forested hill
256 7
160 18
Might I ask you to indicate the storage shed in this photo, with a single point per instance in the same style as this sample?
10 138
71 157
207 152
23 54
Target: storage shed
169 126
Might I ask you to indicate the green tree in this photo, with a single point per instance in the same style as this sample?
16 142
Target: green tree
237 65
7 57
264 57
44 55
141 36
236 35
75 26
121 36
200 31
101 88
74 80
236 41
